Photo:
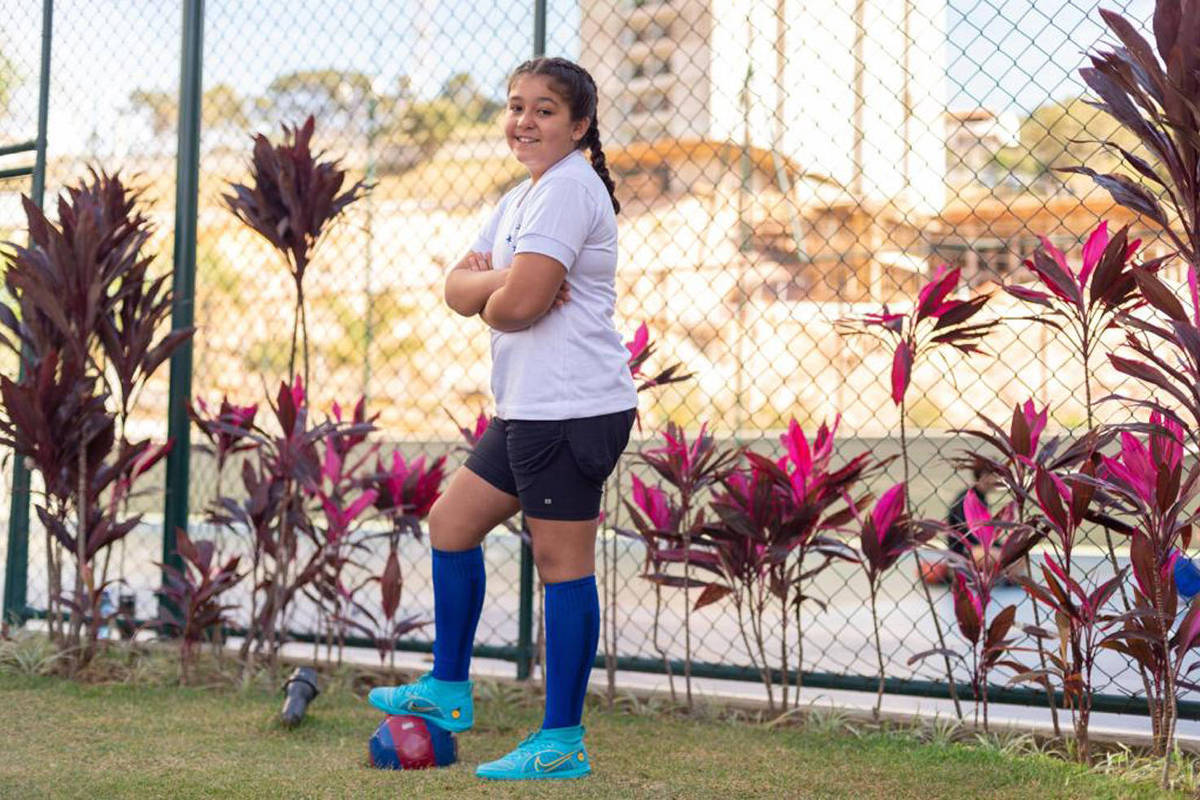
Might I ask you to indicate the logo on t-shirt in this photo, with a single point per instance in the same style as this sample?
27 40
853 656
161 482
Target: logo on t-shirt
508 240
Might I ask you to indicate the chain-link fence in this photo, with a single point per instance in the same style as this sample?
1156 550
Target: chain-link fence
781 164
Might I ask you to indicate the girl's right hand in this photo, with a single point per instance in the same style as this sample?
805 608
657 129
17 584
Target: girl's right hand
477 262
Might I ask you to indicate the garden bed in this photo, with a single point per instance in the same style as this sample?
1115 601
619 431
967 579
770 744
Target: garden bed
134 734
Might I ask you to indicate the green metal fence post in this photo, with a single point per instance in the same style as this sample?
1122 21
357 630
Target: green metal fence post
16 569
525 610
187 193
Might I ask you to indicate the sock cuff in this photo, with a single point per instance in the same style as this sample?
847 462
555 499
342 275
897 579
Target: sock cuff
464 562
580 587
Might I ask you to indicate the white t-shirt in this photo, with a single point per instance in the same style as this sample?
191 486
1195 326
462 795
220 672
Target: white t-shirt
570 363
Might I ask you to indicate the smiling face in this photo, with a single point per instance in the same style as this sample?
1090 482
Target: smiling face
538 126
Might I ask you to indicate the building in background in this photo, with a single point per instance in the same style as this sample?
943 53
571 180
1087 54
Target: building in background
973 140
851 91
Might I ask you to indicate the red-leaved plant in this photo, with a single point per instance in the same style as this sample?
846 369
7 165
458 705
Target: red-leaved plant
284 472
990 554
1082 619
291 200
194 606
405 494
775 532
385 629
1017 454
884 535
640 349
935 321
343 493
689 468
1148 478
86 323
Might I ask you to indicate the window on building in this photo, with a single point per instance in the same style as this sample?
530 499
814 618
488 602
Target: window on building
650 66
652 32
647 102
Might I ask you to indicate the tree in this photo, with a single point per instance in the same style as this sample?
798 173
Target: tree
222 106
336 97
463 91
160 108
1060 134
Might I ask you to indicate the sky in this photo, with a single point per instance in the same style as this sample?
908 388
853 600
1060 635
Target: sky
1008 55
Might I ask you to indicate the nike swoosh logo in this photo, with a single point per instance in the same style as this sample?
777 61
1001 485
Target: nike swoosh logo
413 705
540 766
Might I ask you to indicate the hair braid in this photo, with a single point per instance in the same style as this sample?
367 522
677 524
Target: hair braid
591 140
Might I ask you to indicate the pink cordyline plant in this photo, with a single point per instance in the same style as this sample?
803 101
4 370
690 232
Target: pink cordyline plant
225 428
657 520
640 349
1017 455
342 494
935 321
1081 616
194 591
690 468
886 534
408 490
1083 303
292 199
773 518
976 575
1148 477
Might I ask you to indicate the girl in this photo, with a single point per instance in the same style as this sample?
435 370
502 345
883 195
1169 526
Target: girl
542 276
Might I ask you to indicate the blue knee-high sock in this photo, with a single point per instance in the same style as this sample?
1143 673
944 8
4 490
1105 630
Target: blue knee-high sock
572 632
458 584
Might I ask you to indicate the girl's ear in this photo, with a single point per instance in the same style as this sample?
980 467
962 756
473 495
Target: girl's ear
580 129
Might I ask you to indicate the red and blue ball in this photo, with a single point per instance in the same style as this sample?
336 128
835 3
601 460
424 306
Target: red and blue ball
407 742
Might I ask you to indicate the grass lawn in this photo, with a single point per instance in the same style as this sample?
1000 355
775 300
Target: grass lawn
63 739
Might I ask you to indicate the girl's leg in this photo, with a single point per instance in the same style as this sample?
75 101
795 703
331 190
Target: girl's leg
565 555
458 523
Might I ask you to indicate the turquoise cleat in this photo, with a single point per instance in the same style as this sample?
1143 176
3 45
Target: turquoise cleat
554 754
444 703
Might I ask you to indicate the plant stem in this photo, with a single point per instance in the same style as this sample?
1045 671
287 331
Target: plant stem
1086 355
799 653
741 598
756 620
937 625
661 652
1037 621
81 505
292 350
1167 701
685 502
878 652
304 337
783 651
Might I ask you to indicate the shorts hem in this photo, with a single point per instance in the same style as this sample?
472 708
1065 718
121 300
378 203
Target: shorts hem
563 517
475 464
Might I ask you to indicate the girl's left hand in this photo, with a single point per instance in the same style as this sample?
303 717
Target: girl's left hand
563 296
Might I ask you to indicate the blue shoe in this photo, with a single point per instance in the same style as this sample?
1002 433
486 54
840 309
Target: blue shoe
554 754
444 703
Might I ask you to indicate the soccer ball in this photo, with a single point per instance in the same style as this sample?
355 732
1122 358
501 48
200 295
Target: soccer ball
407 742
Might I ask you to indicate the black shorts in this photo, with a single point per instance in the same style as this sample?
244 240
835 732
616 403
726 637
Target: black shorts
557 468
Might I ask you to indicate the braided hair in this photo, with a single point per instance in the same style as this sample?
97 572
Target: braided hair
576 86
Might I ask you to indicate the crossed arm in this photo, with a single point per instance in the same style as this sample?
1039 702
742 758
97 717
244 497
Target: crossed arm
507 300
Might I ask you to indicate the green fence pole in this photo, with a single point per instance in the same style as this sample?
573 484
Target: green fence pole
187 179
525 609
16 565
